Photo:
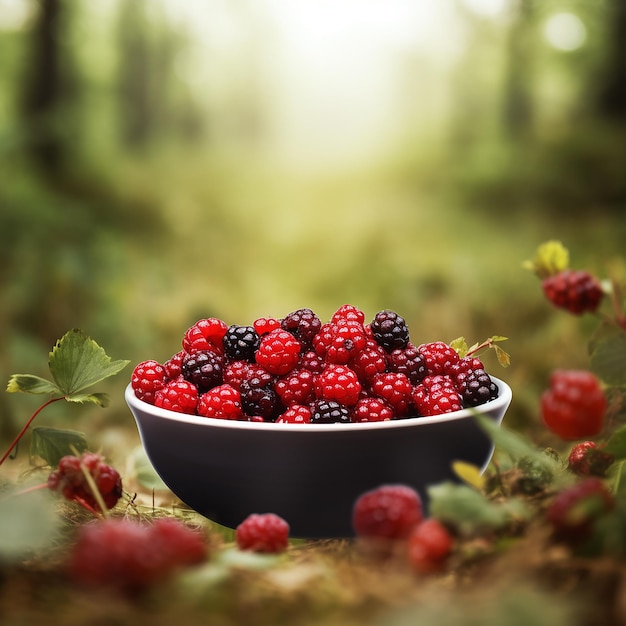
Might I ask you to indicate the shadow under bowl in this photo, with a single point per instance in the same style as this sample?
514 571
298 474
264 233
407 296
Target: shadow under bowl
309 474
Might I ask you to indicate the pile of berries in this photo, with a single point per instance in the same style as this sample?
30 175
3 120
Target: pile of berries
300 370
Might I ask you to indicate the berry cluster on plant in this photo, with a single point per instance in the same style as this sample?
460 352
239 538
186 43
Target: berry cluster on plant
299 370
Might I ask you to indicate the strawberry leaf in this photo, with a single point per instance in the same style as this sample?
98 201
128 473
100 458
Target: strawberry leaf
101 399
52 444
77 362
29 383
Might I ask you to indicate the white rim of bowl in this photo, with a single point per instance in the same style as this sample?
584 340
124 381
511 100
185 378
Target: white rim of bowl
502 401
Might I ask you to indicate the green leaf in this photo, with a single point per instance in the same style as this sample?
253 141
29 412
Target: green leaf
29 383
460 346
608 355
101 399
616 445
77 362
51 444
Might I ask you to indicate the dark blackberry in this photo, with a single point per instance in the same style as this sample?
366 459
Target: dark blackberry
408 361
240 342
390 330
329 412
303 324
478 388
204 369
259 398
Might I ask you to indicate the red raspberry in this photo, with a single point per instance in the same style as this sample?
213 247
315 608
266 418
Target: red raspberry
573 510
372 410
339 383
439 357
205 334
278 352
369 361
429 545
130 557
178 395
70 480
588 459
264 325
295 414
574 405
303 324
436 395
311 361
263 532
575 291
173 366
339 341
221 402
395 389
387 512
147 378
348 312
408 361
296 387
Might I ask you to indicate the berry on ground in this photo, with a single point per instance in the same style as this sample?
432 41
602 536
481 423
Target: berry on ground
429 545
588 459
390 330
263 532
387 512
278 352
574 405
178 395
221 402
339 383
575 291
147 378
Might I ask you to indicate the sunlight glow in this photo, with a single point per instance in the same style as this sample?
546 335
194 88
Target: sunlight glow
565 31
15 14
488 8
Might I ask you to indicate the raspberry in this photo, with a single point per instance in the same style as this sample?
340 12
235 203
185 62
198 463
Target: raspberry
173 366
587 459
263 532
205 334
178 395
439 357
147 378
278 352
222 402
70 480
303 324
241 342
429 545
369 361
387 512
348 312
296 387
295 414
574 405
408 361
259 398
575 291
371 410
339 341
203 368
264 325
329 412
436 395
339 383
311 361
395 389
573 510
130 557
235 372
389 330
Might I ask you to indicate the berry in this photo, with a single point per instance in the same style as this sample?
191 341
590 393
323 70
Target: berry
429 545
329 412
439 357
259 398
348 312
339 383
574 405
264 325
575 291
303 324
241 342
69 479
263 532
369 361
130 557
372 410
387 512
408 361
203 368
339 341
389 330
173 366
178 395
295 414
147 378
573 510
587 459
395 389
477 388
221 402
296 387
311 361
278 352
205 334
436 395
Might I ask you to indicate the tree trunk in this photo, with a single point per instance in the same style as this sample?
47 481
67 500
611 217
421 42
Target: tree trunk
612 100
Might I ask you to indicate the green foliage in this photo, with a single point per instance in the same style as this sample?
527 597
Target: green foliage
52 444
607 350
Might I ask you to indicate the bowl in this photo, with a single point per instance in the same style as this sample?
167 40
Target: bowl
309 474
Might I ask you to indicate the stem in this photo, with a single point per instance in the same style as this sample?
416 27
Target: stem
25 428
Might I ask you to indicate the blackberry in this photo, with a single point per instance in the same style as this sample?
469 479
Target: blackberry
303 324
477 388
408 361
240 342
204 369
329 412
259 398
390 330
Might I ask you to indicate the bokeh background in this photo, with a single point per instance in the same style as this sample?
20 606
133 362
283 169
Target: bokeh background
163 161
